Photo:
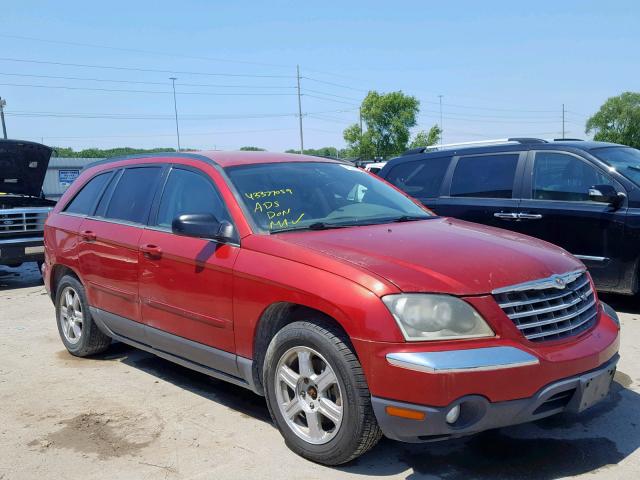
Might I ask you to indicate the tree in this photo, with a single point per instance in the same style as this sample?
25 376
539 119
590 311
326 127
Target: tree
618 120
424 139
251 149
389 118
332 152
100 153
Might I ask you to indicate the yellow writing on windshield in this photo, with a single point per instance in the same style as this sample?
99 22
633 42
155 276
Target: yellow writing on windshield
265 206
284 222
268 193
279 216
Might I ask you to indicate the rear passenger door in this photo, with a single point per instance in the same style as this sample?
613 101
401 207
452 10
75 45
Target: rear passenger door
421 179
484 188
108 242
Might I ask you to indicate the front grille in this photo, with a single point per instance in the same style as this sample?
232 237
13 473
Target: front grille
27 220
550 309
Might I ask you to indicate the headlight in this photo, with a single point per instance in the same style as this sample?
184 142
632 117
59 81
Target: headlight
435 317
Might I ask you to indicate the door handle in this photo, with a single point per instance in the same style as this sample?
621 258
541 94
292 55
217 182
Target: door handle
529 216
88 236
151 251
506 216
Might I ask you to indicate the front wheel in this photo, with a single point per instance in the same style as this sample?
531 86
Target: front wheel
317 393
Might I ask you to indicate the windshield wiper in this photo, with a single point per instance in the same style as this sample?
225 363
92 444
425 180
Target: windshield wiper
312 226
634 167
409 218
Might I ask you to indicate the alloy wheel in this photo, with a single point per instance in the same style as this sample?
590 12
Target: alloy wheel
71 316
309 395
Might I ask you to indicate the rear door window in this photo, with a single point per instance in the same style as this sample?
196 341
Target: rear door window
420 179
485 176
86 198
132 197
563 177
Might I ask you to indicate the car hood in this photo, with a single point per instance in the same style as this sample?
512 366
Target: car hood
440 255
23 166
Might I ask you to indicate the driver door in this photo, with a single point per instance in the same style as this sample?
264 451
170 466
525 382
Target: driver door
185 282
559 209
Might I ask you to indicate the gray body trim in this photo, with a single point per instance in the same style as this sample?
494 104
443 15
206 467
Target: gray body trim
473 359
479 414
202 358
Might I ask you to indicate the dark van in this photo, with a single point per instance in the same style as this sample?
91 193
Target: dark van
581 195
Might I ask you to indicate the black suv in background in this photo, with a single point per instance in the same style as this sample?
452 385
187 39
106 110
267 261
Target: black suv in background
581 195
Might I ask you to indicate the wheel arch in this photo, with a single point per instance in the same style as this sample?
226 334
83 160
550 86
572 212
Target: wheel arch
57 272
273 319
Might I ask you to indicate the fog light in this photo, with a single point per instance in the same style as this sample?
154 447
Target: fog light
453 415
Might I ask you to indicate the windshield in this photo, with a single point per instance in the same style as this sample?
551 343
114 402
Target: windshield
315 195
625 160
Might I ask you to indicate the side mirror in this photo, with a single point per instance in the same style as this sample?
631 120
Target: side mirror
606 194
203 225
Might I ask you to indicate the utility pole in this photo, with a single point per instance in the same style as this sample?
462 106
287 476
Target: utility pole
300 110
361 132
175 108
563 121
4 127
441 126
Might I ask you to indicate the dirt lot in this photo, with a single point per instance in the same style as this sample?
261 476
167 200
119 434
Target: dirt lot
130 415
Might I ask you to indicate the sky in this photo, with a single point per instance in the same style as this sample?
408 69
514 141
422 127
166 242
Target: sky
96 74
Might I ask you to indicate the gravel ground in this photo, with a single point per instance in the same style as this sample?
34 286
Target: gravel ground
130 415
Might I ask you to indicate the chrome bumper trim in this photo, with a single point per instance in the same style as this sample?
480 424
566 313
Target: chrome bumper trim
591 258
554 281
471 360
13 241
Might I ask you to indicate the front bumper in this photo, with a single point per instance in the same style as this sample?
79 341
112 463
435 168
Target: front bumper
477 413
14 251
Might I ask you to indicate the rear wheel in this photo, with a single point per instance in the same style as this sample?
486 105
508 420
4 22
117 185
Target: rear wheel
317 393
79 333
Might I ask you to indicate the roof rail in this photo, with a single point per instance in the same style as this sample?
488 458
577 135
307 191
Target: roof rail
568 139
479 143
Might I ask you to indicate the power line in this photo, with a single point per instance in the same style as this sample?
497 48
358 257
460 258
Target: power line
471 107
492 116
142 116
169 54
228 132
323 98
140 82
340 85
123 90
136 69
488 120
135 50
331 94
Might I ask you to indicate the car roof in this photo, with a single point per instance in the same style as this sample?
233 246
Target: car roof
586 145
221 158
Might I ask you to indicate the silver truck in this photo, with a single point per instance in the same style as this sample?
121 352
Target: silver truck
23 208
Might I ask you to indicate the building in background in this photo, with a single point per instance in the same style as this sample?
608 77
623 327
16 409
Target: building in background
61 174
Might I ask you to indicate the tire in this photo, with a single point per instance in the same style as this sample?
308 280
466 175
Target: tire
79 333
40 263
329 442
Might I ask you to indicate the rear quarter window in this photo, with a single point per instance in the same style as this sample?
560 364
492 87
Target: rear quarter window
420 179
86 198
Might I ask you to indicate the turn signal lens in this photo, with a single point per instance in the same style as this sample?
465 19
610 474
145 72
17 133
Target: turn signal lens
405 413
